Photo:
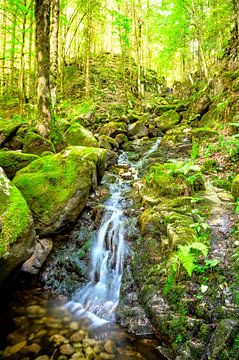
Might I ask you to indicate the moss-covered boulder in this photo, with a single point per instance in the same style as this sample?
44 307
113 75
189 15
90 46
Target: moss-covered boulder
12 161
137 130
113 128
8 128
77 135
108 143
235 187
36 144
16 227
56 187
168 120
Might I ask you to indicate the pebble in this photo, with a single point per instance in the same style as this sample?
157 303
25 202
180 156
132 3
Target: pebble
16 337
89 342
90 354
78 356
11 350
35 311
58 339
77 336
74 325
109 347
67 349
62 357
34 348
106 356
42 357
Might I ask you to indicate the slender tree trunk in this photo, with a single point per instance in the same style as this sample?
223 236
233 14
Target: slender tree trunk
54 49
3 55
21 77
88 54
42 15
30 49
13 44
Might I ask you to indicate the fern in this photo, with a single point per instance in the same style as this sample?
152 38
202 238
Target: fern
187 259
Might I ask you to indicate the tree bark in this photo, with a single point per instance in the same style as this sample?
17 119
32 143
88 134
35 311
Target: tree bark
54 49
42 15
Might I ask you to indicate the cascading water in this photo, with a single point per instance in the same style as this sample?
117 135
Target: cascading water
97 300
100 296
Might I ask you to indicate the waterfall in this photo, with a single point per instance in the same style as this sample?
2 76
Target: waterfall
98 299
100 296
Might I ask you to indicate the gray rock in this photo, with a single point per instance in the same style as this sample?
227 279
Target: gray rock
137 130
42 250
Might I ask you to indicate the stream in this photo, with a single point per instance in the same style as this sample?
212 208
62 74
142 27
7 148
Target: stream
38 324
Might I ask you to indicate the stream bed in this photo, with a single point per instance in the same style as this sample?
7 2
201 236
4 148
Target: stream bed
39 324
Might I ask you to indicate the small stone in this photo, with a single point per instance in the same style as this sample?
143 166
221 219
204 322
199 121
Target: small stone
74 325
62 357
106 356
98 349
34 348
42 357
67 349
35 311
90 354
89 342
77 336
58 339
11 350
16 337
41 333
77 345
78 356
109 347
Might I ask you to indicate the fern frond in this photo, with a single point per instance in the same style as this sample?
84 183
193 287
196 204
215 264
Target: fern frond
187 259
200 247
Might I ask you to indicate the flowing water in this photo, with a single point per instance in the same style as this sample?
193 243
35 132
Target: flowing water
100 296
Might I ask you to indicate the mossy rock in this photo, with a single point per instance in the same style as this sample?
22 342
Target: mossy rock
179 134
151 223
12 161
36 144
121 139
235 187
8 128
16 227
113 128
56 187
137 130
108 143
77 135
168 120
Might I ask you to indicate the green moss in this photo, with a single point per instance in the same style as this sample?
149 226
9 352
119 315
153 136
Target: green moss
8 126
168 120
235 187
48 183
36 144
77 135
14 214
12 161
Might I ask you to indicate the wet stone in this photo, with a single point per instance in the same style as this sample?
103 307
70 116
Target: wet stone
77 336
98 349
67 349
34 348
43 357
106 356
11 350
74 325
21 322
16 337
62 357
109 347
90 354
35 311
89 342
41 333
77 345
58 339
78 356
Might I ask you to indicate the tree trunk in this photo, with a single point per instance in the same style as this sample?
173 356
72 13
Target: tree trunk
42 15
54 49
236 16
30 50
3 53
21 79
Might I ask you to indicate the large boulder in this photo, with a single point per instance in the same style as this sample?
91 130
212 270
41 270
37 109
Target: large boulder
168 120
8 129
77 135
137 130
113 128
36 144
16 227
56 187
12 161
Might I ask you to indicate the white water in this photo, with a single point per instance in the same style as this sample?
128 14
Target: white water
97 300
